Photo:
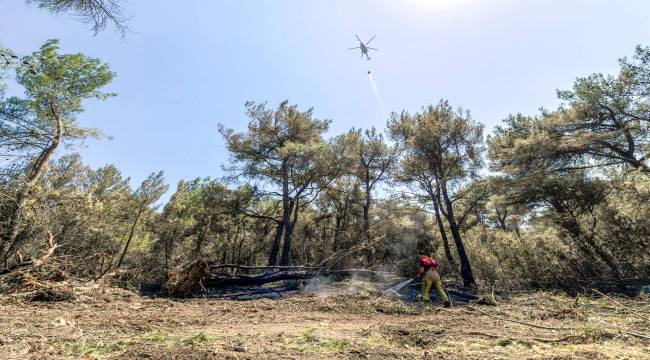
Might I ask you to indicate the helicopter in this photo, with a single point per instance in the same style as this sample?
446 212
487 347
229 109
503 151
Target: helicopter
364 47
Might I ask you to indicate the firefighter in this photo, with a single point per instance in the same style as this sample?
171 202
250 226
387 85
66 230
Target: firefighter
427 272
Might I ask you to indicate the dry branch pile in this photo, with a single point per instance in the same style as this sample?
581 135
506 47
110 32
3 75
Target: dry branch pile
46 281
43 279
49 278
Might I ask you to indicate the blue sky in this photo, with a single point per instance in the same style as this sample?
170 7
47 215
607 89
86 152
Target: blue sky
189 65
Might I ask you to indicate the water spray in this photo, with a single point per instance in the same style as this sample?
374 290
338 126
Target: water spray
375 89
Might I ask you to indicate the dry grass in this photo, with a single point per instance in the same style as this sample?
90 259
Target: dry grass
120 325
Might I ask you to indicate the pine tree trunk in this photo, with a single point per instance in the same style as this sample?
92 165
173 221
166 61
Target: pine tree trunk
286 246
275 247
337 233
283 226
443 235
340 224
131 232
465 267
288 235
366 207
33 175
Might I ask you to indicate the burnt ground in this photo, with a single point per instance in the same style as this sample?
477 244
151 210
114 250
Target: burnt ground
104 322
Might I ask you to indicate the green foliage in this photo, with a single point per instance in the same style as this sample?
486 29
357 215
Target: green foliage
439 142
95 349
375 339
275 137
570 166
592 331
310 342
157 337
196 339
309 335
604 122
59 83
55 87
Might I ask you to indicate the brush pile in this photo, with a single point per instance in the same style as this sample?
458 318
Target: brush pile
49 278
43 279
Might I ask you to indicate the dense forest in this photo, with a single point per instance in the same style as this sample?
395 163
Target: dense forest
557 199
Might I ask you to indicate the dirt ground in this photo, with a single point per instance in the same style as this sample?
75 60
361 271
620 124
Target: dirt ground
360 324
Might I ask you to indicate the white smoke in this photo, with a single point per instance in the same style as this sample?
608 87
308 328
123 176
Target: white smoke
323 286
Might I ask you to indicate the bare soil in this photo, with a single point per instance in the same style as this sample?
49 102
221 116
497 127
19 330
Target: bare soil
104 322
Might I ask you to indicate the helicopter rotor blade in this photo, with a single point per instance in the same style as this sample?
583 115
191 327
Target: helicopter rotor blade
355 35
373 38
369 48
354 48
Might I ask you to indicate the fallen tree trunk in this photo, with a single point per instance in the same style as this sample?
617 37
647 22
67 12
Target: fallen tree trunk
275 268
199 275
219 280
245 280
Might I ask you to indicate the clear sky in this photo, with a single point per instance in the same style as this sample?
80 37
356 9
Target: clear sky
189 65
